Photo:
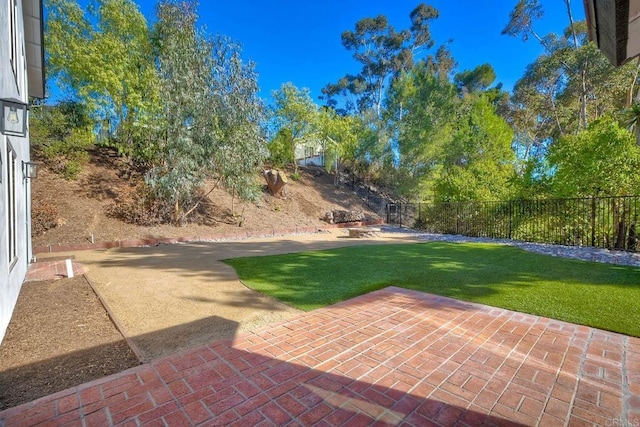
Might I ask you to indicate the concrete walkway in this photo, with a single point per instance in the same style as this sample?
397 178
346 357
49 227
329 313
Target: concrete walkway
392 357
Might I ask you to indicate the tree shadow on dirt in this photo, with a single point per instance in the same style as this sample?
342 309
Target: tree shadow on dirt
98 186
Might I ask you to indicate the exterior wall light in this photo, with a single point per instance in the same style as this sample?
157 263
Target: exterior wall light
14 118
30 169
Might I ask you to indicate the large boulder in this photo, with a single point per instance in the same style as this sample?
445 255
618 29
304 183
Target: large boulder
339 216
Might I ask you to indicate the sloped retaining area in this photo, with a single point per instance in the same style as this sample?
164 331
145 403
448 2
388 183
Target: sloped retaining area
193 239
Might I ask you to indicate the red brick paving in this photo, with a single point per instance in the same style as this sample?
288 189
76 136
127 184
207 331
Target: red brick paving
392 357
51 270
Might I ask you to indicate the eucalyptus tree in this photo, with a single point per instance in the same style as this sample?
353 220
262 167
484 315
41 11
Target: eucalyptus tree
571 83
383 53
631 118
450 147
294 116
340 137
102 57
209 126
521 23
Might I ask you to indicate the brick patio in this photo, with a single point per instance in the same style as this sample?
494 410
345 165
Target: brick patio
392 357
52 270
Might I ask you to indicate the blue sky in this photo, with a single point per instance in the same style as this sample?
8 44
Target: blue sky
299 41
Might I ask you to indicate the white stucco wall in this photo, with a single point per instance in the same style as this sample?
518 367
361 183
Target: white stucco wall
317 160
12 87
310 154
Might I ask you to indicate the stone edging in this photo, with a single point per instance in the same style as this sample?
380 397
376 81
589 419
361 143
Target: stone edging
211 238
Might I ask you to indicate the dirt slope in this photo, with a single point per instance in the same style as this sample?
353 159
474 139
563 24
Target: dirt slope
80 206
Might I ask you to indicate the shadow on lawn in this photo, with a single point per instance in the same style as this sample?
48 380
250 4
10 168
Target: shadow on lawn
457 270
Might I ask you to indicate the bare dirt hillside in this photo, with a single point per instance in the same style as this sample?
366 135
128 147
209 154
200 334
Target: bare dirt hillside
79 207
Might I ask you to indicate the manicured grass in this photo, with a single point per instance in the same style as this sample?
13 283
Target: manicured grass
599 295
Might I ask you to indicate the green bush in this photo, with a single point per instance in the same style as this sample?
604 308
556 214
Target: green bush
71 170
281 149
60 136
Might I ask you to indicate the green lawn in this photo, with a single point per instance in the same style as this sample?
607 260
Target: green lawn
599 295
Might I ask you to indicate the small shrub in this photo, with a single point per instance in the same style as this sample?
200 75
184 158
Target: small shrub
44 216
420 224
71 170
295 176
136 205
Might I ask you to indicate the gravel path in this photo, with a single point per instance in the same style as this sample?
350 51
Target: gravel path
584 253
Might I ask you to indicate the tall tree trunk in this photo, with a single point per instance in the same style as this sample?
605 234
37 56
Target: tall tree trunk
552 99
583 70
379 97
295 161
233 199
583 99
631 100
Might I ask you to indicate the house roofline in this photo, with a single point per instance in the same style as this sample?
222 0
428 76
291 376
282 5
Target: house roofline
33 15
614 25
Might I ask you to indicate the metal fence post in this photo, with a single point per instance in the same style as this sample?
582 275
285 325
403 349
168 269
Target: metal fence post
509 216
593 221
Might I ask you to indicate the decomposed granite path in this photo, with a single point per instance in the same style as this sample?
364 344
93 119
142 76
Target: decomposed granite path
168 298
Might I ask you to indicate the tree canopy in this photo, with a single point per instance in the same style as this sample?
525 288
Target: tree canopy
209 126
602 160
450 147
182 105
383 53
86 56
176 101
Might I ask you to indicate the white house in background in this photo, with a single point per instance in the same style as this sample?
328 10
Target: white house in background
310 154
21 76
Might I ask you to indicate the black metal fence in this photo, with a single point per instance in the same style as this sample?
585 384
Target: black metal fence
606 222
368 194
